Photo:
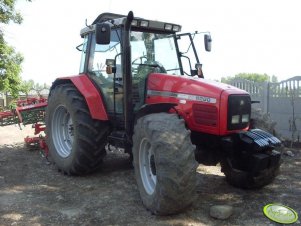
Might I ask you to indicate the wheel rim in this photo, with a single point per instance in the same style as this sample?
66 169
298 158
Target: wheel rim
147 166
62 131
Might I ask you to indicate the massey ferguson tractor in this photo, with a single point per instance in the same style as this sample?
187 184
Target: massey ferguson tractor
141 91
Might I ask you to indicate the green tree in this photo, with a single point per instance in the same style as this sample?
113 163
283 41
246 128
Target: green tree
26 86
274 79
38 88
248 76
8 12
30 85
10 60
10 68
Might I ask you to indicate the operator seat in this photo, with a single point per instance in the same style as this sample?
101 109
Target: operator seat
139 80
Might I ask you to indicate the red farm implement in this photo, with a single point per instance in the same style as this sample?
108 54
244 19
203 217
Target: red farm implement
30 111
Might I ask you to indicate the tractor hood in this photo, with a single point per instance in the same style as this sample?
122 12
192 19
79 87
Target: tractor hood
179 84
202 103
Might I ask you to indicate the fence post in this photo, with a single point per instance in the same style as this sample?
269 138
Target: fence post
266 96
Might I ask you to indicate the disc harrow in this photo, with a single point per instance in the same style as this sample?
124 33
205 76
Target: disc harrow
30 111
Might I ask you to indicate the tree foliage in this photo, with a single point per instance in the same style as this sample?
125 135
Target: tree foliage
251 77
26 86
10 68
10 60
30 85
8 12
273 79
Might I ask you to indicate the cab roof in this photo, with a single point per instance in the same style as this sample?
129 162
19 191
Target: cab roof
138 23
107 16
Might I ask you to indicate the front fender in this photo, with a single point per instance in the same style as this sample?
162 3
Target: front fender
154 108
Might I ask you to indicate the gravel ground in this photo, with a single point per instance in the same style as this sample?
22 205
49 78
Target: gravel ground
33 192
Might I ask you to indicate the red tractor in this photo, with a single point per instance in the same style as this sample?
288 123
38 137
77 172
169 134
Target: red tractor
139 91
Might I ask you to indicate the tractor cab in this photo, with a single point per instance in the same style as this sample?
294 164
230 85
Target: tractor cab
113 56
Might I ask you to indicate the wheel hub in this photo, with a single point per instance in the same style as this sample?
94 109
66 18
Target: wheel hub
147 166
62 131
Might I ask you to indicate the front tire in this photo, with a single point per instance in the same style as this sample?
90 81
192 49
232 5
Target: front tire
76 141
246 180
165 167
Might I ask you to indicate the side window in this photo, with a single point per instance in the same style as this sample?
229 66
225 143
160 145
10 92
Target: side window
99 57
83 48
101 53
188 57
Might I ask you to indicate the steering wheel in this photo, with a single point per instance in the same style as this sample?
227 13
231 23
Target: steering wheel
139 58
134 62
151 64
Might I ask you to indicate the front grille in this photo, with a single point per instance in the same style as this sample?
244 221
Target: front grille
238 106
205 115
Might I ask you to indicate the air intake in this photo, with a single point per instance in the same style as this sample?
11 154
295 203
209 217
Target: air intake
205 115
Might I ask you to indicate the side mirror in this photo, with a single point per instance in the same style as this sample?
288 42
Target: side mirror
207 41
103 34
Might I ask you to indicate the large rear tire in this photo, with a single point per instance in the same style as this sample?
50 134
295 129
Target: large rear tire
76 141
165 167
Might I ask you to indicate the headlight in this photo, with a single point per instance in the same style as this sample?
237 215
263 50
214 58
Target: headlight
235 119
239 111
245 118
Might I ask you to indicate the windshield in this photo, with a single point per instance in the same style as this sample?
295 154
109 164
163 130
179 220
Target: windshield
154 50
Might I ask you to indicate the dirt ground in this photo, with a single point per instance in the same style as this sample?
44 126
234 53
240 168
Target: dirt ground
33 192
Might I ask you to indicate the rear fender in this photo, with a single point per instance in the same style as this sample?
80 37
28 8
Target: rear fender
90 93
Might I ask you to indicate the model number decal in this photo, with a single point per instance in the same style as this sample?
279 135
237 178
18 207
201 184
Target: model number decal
182 96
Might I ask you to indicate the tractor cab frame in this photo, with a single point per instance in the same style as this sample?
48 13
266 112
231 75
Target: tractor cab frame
118 54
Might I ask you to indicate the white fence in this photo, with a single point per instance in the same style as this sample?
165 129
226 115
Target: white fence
282 101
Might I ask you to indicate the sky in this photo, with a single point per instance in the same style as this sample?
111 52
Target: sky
248 36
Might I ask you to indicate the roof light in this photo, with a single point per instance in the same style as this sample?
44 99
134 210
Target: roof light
176 28
134 23
144 23
168 27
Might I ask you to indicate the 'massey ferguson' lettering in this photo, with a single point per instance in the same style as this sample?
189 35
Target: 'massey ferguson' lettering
181 96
